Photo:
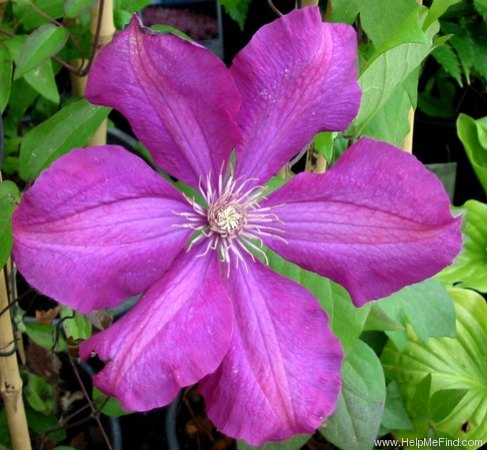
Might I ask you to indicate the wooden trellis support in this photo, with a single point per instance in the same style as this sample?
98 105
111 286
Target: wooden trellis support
10 381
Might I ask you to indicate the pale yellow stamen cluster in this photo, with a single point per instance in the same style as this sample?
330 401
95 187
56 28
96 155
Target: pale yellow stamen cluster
231 222
227 219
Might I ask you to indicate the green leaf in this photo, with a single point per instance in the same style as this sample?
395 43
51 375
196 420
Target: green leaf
323 144
70 127
6 65
382 77
395 416
346 320
447 58
40 423
446 173
469 269
391 122
9 197
427 306
378 320
355 423
31 19
237 10
480 60
74 8
39 394
43 43
168 29
403 24
420 408
14 45
437 99
111 406
473 134
273 184
443 402
437 9
42 79
464 46
132 5
4 432
290 444
345 11
23 2
453 364
481 7
121 18
75 325
24 97
44 334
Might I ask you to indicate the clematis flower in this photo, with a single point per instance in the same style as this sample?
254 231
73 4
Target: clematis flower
101 225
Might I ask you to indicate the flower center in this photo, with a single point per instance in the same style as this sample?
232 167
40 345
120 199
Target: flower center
232 223
227 219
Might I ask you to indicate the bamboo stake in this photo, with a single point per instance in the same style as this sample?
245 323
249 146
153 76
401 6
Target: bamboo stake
106 32
285 173
407 144
315 162
107 28
311 2
78 84
10 381
103 12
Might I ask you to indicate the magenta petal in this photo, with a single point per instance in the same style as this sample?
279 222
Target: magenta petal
179 98
297 76
281 375
176 334
376 222
97 227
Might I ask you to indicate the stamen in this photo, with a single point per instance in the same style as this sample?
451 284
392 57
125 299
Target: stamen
232 223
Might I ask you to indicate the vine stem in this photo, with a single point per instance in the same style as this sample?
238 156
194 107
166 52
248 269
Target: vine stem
95 413
10 381
273 7
42 13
